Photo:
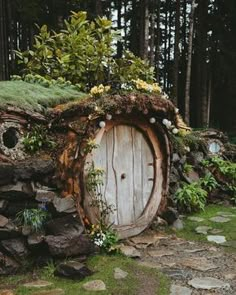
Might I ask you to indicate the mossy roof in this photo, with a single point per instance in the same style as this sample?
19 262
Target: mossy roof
34 97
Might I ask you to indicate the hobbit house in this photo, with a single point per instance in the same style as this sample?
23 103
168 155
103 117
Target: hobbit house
51 138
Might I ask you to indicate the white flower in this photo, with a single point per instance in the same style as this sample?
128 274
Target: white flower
152 120
165 122
102 124
176 110
175 130
187 148
168 124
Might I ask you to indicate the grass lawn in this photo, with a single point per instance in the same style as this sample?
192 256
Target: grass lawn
139 278
228 228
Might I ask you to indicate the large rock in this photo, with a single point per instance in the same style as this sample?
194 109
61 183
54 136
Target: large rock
6 173
73 270
62 246
9 231
3 221
208 283
8 266
66 205
17 191
45 196
16 248
3 205
69 226
195 158
170 215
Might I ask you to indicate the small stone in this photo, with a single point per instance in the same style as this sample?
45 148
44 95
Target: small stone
160 253
215 231
202 229
130 251
178 224
3 221
216 239
220 219
50 292
208 283
66 205
180 290
119 273
96 285
37 284
194 250
6 292
45 196
195 218
230 276
200 263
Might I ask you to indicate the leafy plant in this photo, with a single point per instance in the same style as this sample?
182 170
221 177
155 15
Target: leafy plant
49 269
83 53
34 218
208 182
187 168
37 139
191 197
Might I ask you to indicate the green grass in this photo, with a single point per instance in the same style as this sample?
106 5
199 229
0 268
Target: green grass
229 228
103 266
35 97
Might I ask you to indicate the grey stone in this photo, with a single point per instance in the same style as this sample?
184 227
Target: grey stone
200 263
220 219
17 191
175 157
231 244
68 226
195 218
3 221
208 283
176 274
62 246
216 239
66 205
43 195
57 291
96 285
202 229
8 266
195 158
37 284
230 276
3 205
16 248
160 253
194 250
35 240
72 269
130 251
145 239
119 273
178 224
179 290
193 176
9 231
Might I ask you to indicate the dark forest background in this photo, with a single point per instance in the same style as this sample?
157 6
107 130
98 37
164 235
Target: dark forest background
191 44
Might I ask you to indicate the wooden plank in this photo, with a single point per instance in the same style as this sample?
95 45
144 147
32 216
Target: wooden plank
123 166
137 173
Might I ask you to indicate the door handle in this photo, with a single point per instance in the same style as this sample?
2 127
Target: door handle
123 176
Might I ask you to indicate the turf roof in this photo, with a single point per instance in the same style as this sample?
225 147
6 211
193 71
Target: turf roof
34 97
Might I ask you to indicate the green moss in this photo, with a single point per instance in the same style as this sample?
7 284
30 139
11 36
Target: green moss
35 97
103 267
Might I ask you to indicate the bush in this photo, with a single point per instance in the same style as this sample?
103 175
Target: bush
191 197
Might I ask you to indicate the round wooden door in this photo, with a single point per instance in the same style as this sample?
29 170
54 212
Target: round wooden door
129 163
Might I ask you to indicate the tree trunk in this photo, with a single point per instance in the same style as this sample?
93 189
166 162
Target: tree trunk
189 64
152 34
176 54
158 41
4 70
144 29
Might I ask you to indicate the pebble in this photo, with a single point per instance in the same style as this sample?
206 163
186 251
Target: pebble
216 239
180 290
220 219
119 273
96 285
208 283
37 284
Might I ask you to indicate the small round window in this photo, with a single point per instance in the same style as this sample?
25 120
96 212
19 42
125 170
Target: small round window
214 147
10 137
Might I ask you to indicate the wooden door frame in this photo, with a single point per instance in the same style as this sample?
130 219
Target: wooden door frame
160 183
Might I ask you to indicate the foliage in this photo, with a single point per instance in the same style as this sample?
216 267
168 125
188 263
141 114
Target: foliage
82 53
34 218
49 269
227 168
36 139
106 238
208 182
191 197
187 168
90 145
185 142
97 91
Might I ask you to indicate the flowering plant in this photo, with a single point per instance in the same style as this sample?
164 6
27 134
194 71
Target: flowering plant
142 85
97 91
105 238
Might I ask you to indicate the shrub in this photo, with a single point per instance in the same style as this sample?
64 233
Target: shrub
208 182
191 197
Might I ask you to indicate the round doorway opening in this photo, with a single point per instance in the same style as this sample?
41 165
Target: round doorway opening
10 137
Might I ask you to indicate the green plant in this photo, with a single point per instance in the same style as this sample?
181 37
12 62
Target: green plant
187 168
208 182
34 218
83 53
191 197
36 139
49 269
